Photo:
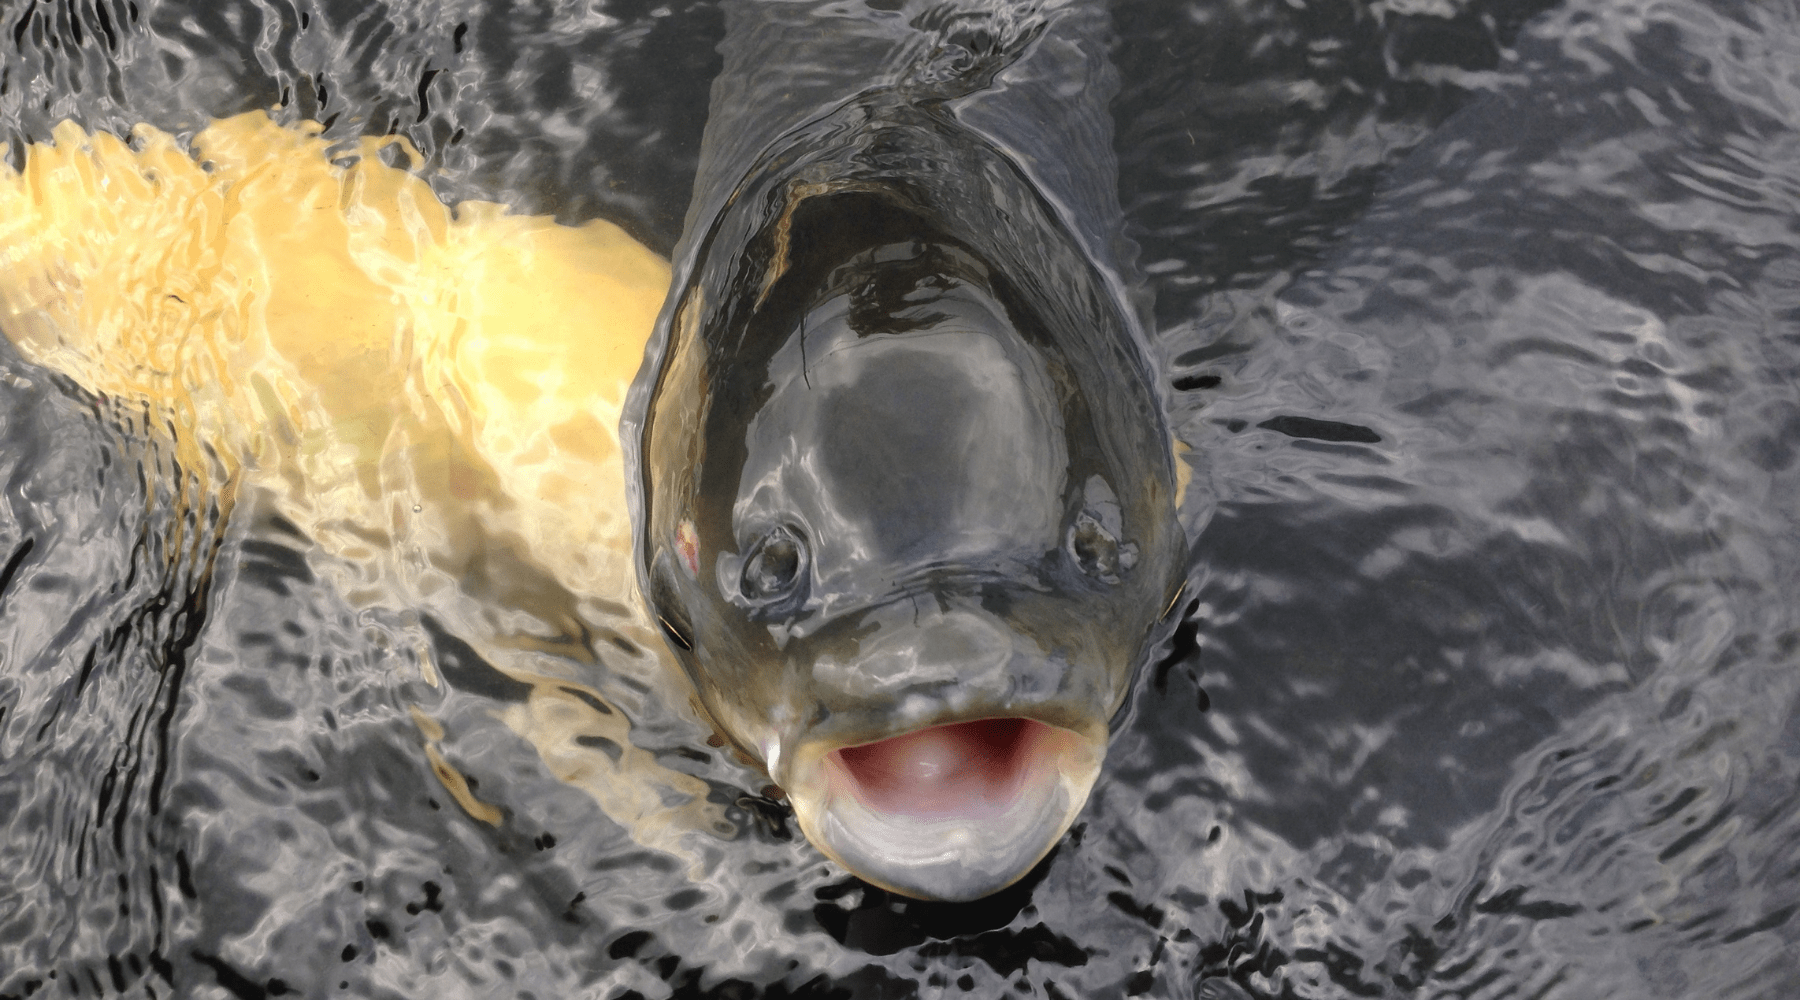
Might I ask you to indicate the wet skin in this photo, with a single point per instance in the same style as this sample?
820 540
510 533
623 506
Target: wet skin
902 488
904 523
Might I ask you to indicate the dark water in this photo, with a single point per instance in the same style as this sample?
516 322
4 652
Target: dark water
1483 322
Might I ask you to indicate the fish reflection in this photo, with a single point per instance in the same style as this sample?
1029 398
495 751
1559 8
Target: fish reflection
902 489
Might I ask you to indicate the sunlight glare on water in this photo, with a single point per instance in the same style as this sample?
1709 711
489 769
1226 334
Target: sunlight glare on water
321 669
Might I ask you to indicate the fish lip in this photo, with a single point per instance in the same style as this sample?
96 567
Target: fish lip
956 854
1057 712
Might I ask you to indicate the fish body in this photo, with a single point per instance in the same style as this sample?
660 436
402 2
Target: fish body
902 493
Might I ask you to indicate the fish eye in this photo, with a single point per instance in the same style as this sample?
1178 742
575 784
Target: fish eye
775 568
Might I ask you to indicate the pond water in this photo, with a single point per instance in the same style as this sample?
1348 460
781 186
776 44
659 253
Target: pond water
320 670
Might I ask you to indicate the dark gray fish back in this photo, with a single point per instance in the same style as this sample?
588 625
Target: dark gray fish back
1028 81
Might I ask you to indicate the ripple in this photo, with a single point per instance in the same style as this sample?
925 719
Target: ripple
320 672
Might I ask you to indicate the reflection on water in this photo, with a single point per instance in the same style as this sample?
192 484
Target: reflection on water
319 673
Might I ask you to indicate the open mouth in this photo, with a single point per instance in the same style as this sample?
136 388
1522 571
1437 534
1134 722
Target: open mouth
953 811
973 769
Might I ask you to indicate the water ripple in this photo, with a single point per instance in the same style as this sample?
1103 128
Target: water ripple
1482 327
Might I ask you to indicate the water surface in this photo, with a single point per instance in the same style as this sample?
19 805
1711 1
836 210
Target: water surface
1482 323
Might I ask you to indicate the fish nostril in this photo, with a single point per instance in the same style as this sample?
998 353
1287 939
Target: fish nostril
1097 551
1093 539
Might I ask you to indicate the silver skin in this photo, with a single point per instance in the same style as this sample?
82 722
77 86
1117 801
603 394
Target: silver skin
899 461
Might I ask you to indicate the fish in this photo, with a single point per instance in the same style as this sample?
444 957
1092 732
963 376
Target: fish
901 483
306 333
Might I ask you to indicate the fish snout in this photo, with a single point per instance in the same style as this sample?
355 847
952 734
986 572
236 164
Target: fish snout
957 656
956 757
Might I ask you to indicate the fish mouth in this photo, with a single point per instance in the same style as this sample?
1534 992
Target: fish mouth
954 811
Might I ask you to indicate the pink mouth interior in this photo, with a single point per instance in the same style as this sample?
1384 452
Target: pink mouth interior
964 768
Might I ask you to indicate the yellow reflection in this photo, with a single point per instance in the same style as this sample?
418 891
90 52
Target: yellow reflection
432 396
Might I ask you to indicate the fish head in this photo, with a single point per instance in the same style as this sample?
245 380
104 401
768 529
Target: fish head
909 573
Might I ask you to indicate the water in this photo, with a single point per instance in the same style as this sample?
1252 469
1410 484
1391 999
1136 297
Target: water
1482 322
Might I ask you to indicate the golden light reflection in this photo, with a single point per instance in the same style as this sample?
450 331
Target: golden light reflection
431 395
